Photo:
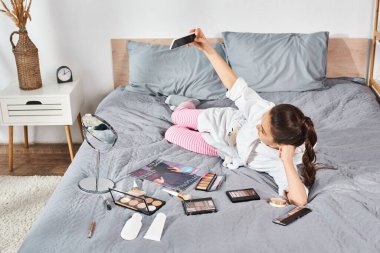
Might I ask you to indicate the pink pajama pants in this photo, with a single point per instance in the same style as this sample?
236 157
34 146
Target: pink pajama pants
184 133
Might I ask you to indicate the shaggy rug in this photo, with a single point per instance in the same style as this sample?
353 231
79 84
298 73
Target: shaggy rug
21 201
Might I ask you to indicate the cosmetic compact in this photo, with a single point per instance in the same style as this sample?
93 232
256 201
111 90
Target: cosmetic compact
143 204
199 206
277 202
242 195
210 182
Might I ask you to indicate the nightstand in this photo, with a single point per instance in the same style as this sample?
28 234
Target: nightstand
53 104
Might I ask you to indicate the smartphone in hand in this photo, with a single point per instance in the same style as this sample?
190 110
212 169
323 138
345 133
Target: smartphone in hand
182 41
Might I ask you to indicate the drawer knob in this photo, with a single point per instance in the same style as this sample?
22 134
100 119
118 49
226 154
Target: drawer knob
33 103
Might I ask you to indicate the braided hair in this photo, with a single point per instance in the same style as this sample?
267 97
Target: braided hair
290 126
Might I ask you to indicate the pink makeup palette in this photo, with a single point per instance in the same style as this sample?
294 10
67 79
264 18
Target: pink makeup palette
210 182
242 195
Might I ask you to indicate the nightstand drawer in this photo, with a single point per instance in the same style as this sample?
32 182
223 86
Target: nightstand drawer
34 110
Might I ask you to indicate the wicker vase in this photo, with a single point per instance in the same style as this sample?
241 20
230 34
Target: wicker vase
28 66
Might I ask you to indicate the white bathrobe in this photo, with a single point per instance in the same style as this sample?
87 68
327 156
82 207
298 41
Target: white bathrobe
215 124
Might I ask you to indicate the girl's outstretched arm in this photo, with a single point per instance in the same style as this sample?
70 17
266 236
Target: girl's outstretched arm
224 71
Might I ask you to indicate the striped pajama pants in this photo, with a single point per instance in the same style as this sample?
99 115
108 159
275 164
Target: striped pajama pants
184 131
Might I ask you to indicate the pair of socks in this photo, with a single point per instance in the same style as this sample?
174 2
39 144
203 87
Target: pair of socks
175 100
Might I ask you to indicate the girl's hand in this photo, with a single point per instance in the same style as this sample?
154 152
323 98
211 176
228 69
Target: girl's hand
286 153
159 180
174 169
200 41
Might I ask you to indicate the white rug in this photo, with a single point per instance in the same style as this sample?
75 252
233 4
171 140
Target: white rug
21 201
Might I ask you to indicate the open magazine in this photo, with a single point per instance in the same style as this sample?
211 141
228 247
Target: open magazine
169 174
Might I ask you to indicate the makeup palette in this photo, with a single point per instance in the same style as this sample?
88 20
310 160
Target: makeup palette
143 204
210 182
199 206
292 215
242 195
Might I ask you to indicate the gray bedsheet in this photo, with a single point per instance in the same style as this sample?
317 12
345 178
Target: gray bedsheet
345 201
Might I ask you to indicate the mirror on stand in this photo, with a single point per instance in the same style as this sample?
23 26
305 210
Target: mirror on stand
101 136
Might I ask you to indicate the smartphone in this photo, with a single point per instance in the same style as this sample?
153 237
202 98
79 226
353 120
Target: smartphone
292 216
182 41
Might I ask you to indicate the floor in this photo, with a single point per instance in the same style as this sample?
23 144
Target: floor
38 159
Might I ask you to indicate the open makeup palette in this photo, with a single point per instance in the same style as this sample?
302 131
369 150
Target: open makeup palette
210 182
199 206
143 204
242 195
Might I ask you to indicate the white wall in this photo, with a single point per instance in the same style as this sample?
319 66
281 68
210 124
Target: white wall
77 34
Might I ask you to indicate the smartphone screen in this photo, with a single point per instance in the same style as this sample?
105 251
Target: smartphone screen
292 216
182 41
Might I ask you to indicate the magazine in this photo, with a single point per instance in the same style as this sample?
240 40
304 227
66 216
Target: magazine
169 174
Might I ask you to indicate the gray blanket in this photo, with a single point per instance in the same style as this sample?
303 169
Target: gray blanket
345 201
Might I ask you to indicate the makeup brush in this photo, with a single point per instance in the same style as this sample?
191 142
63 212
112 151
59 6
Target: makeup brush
136 190
178 194
92 227
135 186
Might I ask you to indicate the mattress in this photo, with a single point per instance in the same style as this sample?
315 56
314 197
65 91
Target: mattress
345 201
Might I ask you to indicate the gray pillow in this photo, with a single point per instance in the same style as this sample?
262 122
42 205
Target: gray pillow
279 62
156 70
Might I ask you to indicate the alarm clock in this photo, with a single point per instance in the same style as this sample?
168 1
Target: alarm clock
64 75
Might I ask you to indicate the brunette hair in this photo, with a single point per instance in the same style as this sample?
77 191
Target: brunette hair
290 126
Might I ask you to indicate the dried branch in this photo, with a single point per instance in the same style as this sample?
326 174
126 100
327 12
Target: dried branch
20 12
28 10
5 7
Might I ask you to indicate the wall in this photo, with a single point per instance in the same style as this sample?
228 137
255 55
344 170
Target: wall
77 34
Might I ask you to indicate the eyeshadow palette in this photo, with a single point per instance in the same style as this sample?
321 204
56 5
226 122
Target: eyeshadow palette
210 182
199 206
143 204
242 195
292 216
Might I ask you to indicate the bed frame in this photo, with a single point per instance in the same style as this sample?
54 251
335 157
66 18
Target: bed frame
347 57
375 37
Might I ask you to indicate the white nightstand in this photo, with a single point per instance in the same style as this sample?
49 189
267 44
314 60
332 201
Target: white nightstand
53 104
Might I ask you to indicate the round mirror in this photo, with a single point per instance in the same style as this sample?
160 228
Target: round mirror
101 136
98 133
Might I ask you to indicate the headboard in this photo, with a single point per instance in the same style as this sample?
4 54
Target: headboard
347 57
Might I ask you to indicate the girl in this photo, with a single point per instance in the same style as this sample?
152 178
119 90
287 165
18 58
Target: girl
260 135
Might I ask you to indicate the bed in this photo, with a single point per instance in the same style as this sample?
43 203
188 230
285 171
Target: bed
345 200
